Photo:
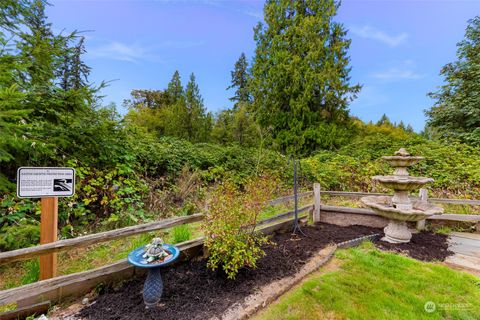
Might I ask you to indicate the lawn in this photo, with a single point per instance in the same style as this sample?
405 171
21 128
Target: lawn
371 284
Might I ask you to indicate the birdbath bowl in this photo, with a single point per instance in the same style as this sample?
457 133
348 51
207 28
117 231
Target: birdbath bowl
153 287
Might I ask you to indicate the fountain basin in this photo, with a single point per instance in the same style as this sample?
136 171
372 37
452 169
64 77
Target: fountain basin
384 206
136 257
402 161
402 183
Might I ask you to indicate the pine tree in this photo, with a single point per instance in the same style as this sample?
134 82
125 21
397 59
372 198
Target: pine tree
175 88
384 121
240 80
12 98
198 123
456 112
301 76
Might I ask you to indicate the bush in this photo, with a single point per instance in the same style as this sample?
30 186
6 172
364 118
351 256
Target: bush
229 225
19 236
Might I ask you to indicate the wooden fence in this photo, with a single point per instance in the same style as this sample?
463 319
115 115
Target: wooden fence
39 295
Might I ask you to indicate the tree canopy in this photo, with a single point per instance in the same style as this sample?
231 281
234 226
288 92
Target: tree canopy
300 75
456 112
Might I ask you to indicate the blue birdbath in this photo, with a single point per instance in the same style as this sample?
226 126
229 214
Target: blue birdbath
153 287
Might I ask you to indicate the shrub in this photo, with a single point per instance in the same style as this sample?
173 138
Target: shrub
229 224
19 236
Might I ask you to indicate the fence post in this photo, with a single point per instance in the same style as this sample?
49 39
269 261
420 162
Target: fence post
48 233
316 203
423 194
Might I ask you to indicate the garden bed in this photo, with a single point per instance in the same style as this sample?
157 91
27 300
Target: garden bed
194 292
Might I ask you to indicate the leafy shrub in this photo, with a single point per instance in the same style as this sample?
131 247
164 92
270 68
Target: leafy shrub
181 233
19 236
229 225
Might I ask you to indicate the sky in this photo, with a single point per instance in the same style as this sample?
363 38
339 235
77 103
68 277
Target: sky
397 49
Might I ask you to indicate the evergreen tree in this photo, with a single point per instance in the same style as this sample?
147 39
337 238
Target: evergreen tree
73 73
175 88
456 112
301 76
12 105
384 121
240 79
197 122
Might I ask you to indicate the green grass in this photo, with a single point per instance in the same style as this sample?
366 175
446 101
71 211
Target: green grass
371 284
181 233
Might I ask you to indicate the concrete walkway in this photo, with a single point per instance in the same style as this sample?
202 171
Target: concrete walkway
466 247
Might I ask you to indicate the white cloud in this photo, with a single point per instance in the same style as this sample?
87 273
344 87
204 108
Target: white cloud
120 51
396 73
369 32
135 52
406 70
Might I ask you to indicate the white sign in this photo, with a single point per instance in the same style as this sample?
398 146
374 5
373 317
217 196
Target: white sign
45 182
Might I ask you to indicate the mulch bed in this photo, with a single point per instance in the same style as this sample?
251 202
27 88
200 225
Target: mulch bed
194 292
425 246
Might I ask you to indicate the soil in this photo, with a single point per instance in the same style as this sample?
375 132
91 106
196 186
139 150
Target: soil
193 292
425 246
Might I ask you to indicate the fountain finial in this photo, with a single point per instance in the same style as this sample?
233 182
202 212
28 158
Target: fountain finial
399 208
402 152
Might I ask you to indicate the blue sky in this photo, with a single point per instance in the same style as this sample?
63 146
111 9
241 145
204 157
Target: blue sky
398 47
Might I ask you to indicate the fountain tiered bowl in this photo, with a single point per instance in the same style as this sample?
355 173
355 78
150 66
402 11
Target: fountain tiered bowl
400 208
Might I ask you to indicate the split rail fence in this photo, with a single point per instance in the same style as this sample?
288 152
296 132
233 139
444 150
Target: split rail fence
38 296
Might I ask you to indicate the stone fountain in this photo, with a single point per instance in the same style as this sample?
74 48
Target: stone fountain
400 208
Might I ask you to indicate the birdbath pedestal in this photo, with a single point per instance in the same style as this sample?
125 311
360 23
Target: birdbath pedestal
153 287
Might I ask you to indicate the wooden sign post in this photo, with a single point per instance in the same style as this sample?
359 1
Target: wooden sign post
47 184
48 233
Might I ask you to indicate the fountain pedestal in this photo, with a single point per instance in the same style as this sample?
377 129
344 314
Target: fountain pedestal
399 208
397 232
153 286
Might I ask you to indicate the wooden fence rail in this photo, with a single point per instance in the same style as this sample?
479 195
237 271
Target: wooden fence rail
26 253
363 194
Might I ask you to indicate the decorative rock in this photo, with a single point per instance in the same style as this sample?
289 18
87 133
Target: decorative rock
85 301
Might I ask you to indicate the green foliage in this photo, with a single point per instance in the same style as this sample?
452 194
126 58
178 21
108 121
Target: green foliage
456 112
455 167
300 75
181 233
174 111
19 236
229 225
111 197
237 126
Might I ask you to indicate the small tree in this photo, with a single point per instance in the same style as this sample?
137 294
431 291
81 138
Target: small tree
230 225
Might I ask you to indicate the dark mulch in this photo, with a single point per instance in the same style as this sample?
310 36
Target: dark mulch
425 246
194 292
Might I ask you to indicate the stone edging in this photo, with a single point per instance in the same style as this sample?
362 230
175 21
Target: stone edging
268 293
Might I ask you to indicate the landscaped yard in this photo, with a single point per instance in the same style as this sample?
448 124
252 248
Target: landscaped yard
366 283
